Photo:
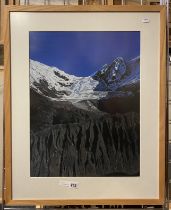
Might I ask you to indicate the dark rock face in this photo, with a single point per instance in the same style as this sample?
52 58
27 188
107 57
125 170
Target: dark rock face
120 104
95 148
90 144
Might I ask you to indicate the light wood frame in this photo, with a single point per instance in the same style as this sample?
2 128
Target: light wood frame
162 106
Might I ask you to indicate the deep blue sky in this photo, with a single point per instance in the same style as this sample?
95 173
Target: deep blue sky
82 53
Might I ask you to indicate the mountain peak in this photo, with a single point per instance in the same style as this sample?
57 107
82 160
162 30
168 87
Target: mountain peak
112 72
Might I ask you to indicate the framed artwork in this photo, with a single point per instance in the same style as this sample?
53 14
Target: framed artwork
85 90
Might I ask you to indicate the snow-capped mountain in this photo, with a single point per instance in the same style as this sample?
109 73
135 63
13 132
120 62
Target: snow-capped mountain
56 84
118 74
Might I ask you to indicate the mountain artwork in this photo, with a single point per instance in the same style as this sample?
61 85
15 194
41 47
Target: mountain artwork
85 125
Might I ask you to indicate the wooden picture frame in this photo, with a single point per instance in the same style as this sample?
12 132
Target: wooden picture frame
156 134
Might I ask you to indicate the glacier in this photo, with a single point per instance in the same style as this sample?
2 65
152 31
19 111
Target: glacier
58 85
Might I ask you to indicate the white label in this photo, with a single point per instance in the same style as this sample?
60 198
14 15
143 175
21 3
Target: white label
69 184
145 20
